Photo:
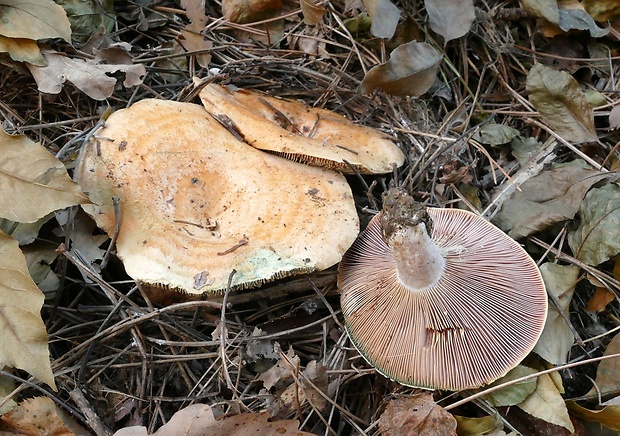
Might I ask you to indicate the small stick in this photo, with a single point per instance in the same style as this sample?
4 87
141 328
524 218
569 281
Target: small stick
117 225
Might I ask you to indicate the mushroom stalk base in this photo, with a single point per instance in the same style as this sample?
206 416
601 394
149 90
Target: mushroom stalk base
419 262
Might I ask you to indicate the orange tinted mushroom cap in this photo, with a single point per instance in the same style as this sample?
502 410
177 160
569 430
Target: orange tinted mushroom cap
302 133
440 298
196 203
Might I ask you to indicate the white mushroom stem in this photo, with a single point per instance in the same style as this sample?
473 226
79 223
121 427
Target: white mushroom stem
419 262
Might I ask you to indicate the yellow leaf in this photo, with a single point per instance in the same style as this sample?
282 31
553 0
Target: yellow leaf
22 50
33 183
40 415
547 404
609 416
23 343
39 19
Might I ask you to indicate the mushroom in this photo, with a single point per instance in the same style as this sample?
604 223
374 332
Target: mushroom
439 298
302 133
196 203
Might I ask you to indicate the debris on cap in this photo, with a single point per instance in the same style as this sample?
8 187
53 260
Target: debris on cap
196 203
440 298
302 133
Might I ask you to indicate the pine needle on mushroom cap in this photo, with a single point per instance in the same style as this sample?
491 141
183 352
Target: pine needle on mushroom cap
464 327
196 203
302 133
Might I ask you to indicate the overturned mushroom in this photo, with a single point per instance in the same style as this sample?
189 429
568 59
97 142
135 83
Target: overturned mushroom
196 203
302 133
440 298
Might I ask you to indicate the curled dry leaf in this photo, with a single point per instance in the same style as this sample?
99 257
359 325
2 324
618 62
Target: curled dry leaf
574 17
607 381
249 11
609 416
38 416
313 11
597 238
450 18
384 17
411 70
418 414
561 103
198 420
486 425
600 299
22 50
33 183
41 19
91 77
23 343
296 131
196 203
557 338
602 11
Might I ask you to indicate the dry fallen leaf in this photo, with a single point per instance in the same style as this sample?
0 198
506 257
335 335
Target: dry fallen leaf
312 10
23 343
91 77
450 18
600 299
192 38
557 338
553 196
418 415
198 420
547 404
282 371
597 238
614 117
22 50
88 17
546 9
609 416
40 416
249 11
573 16
467 426
515 393
411 70
384 17
607 379
33 182
561 103
41 19
602 10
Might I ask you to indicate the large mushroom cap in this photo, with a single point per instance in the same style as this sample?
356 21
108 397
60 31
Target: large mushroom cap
195 202
303 133
477 321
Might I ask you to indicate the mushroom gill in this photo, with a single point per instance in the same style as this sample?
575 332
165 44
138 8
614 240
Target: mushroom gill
454 308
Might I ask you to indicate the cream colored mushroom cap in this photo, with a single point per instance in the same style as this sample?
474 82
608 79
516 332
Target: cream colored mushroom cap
195 202
316 137
481 318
